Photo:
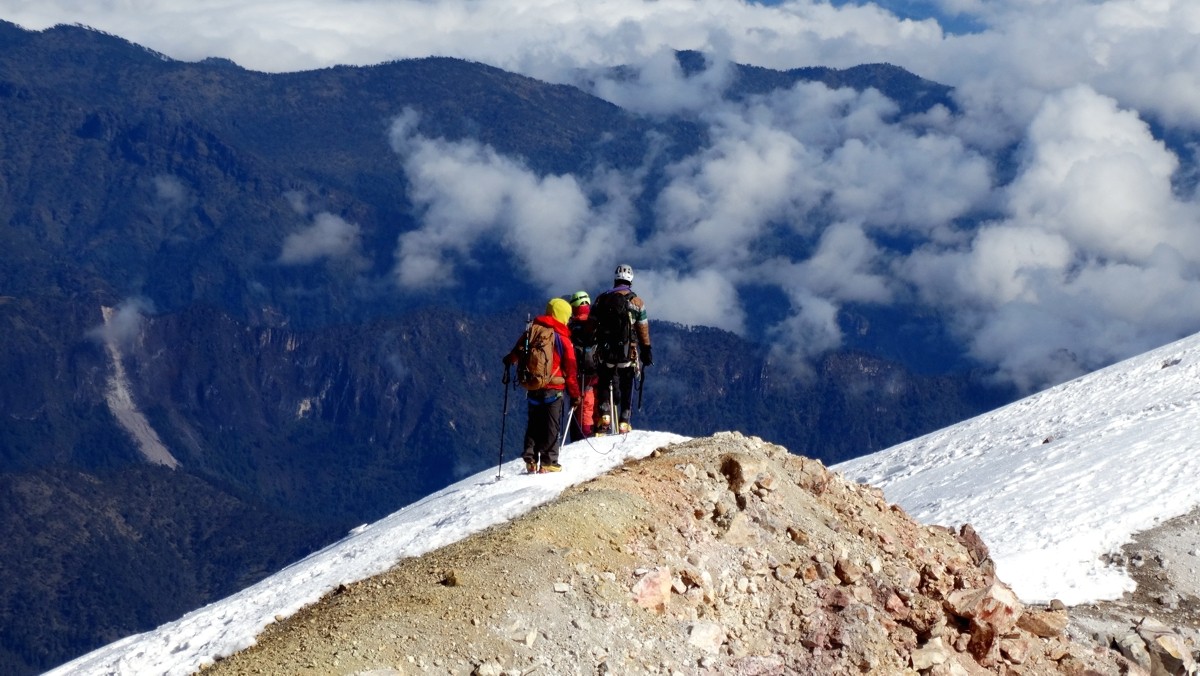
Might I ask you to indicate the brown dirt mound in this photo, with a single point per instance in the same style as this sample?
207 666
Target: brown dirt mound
724 555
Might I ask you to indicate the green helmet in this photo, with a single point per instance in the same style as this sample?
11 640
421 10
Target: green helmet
580 298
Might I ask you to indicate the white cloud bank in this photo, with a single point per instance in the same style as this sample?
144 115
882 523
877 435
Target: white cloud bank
1096 257
1088 253
469 194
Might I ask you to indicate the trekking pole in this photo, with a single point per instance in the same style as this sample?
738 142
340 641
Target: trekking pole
503 419
641 385
612 403
567 428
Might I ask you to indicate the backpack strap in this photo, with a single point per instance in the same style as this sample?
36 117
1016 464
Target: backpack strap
561 351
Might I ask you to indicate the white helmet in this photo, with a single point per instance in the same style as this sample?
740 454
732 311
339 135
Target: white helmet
624 273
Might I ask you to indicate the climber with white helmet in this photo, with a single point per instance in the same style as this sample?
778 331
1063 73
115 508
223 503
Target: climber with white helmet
621 333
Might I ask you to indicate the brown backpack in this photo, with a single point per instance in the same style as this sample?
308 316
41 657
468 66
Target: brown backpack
535 358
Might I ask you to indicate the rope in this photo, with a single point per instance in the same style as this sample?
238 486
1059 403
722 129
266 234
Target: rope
609 451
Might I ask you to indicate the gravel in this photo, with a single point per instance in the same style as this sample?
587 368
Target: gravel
1165 564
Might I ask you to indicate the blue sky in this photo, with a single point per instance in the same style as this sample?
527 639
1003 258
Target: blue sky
916 9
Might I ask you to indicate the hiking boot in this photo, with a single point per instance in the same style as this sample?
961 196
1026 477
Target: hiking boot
624 428
546 469
530 467
605 426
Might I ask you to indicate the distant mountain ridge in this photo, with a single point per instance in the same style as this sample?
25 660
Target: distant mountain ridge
309 394
912 93
240 139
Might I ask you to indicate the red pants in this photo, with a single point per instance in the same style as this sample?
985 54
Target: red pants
581 425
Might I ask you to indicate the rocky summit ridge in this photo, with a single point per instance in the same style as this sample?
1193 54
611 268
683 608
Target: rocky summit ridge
720 555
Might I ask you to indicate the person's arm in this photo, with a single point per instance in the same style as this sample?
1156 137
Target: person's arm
511 357
641 325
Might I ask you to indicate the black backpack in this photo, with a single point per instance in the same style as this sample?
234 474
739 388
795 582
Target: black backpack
585 351
612 317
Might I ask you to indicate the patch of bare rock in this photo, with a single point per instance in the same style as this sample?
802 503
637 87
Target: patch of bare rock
722 555
1157 625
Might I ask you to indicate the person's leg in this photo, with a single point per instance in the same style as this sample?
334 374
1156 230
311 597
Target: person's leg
626 384
604 391
549 449
581 421
587 409
532 425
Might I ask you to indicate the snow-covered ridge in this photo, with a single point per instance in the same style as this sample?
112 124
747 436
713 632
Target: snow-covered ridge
469 506
1057 479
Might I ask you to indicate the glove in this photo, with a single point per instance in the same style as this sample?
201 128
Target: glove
647 355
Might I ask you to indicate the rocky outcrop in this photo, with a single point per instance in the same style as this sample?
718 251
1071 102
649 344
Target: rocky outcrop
1158 649
724 555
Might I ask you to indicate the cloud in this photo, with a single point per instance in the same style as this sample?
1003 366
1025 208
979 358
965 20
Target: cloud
810 330
298 201
720 200
1089 215
845 267
536 37
776 159
704 298
170 193
168 199
123 324
1095 259
658 85
327 237
1141 53
1096 174
560 228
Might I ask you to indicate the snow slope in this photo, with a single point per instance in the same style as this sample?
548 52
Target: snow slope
1051 482
1055 480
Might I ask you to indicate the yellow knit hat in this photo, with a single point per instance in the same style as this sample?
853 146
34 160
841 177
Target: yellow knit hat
559 309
